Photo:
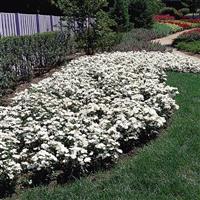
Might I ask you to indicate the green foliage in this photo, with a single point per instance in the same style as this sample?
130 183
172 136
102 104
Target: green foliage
192 4
184 11
21 58
189 41
106 38
154 6
137 40
187 37
141 12
87 20
193 47
139 15
80 8
170 11
7 81
119 12
163 30
99 37
134 13
140 34
7 186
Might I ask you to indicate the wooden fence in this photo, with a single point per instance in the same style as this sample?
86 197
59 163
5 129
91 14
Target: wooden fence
16 24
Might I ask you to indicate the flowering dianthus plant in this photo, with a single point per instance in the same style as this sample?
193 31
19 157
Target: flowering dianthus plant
83 113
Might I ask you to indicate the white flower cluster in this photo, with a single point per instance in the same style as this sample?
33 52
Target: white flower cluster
82 114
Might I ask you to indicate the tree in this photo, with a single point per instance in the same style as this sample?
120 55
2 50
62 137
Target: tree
194 5
83 18
119 11
141 12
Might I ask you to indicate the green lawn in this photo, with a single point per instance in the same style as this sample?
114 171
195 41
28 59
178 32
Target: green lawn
166 169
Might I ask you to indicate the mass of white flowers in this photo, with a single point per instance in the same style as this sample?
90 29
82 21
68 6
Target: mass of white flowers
83 113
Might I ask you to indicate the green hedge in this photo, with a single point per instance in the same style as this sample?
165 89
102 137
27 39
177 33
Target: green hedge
193 47
171 11
184 11
21 58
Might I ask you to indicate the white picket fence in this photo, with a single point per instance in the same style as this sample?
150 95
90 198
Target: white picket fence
16 24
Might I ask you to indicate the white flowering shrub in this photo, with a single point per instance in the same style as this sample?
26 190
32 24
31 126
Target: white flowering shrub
84 114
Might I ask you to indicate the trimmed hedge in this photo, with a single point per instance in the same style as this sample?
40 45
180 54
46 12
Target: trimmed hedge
22 58
184 11
171 11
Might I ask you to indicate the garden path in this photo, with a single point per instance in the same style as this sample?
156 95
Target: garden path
168 41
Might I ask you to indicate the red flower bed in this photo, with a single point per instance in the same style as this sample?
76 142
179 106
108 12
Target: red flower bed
189 36
184 26
197 30
163 17
181 24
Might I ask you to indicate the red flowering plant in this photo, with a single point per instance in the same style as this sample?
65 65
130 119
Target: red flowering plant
182 24
158 18
190 36
197 30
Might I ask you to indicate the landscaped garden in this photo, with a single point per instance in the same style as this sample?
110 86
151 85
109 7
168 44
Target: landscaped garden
189 41
102 110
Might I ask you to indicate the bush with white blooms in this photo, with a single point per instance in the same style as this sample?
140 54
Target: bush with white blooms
83 114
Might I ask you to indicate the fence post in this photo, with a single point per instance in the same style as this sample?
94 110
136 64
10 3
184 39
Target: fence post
38 23
17 23
51 22
61 24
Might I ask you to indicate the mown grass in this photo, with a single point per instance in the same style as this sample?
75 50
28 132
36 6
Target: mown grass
163 30
166 169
